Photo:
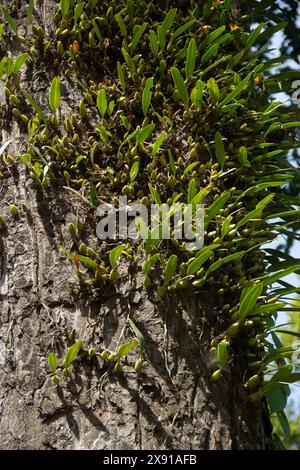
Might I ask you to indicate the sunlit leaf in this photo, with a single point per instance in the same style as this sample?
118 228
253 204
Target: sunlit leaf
54 95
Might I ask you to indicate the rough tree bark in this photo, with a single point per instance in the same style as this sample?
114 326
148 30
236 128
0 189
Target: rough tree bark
171 404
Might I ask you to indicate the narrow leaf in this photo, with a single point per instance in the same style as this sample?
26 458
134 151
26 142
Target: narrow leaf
9 20
54 96
115 254
146 97
29 10
52 361
250 299
170 269
180 85
134 171
218 264
220 149
145 133
121 76
158 143
102 102
72 353
125 348
216 206
137 36
202 256
153 43
191 58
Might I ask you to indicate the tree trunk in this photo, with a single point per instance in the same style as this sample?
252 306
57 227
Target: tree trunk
172 403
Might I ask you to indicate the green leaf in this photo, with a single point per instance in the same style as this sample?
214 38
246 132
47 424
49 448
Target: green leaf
34 105
243 157
121 76
190 167
9 20
266 309
52 361
93 195
202 256
29 11
237 91
125 348
182 29
259 187
9 66
210 54
165 26
226 226
271 31
197 93
253 36
115 254
191 58
192 190
256 213
213 89
212 36
220 149
155 194
97 30
264 202
137 36
150 263
277 400
180 85
110 107
250 299
138 335
129 62
1 36
216 206
26 158
172 163
77 12
170 269
271 278
153 43
20 60
102 102
122 25
72 353
104 134
146 96
64 6
218 264
223 353
158 143
287 332
284 424
200 196
134 171
84 199
144 133
54 96
88 262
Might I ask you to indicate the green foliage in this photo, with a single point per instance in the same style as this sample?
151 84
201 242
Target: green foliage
102 102
180 85
185 99
72 353
54 96
146 97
